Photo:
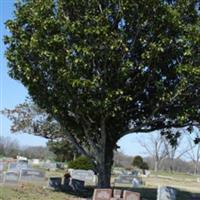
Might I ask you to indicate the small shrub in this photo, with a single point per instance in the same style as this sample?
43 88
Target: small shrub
139 163
81 163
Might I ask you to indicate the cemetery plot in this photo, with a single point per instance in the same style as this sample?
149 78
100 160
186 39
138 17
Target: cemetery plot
87 176
32 175
11 177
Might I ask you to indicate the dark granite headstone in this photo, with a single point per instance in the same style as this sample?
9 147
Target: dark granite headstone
55 182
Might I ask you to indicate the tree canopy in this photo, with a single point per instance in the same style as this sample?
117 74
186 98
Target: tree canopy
103 69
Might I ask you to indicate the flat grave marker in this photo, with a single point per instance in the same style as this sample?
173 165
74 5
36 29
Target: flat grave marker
117 193
102 194
128 195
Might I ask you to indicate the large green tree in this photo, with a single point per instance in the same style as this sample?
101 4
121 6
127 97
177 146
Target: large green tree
104 69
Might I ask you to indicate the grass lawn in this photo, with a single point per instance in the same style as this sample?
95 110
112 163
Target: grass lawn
186 186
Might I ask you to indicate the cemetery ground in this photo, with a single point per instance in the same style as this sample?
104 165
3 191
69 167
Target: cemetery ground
186 185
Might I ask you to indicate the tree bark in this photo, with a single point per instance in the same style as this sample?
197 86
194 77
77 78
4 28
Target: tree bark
156 166
104 168
105 158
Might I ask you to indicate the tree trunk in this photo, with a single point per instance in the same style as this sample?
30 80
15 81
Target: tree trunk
104 166
196 168
156 166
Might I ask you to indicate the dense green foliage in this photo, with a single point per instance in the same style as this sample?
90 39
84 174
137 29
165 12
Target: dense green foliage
103 69
81 163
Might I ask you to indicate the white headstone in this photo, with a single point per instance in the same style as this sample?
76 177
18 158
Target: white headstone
87 176
136 182
166 193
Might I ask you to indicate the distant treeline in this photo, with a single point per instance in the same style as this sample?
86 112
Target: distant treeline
179 165
11 148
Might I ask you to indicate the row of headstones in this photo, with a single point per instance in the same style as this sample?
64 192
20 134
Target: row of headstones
129 179
30 175
116 194
52 166
19 165
163 193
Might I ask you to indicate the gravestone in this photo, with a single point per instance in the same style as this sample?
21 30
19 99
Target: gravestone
136 182
77 185
50 166
126 179
32 175
60 165
117 171
17 166
11 177
117 193
1 177
87 176
22 164
1 166
166 193
13 167
102 194
55 182
128 195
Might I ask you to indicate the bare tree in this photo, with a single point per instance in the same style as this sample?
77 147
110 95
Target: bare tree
9 147
194 152
177 150
154 146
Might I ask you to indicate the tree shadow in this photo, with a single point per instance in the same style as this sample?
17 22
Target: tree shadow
151 193
146 193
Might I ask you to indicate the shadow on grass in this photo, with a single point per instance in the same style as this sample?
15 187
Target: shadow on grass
86 193
146 193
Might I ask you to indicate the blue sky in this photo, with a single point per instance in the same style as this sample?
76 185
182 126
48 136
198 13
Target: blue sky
12 93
